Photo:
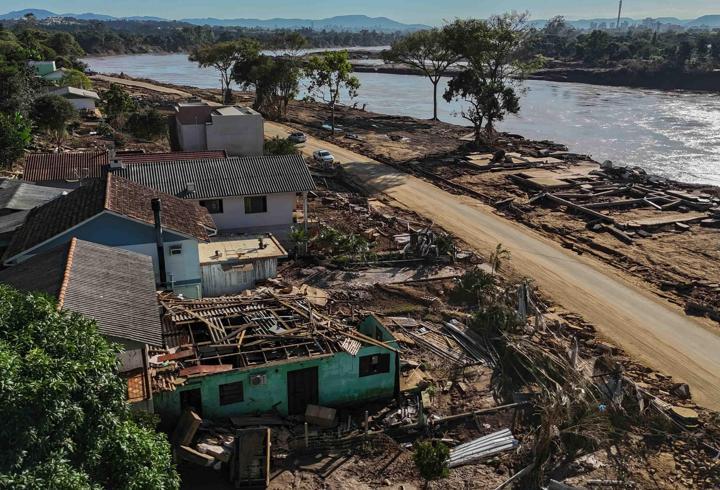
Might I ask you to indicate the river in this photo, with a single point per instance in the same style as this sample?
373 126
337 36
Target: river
675 134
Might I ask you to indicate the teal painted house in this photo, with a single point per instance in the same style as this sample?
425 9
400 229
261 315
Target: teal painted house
287 359
118 213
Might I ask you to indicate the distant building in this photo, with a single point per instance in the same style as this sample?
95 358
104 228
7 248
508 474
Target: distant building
68 170
243 195
237 130
112 286
119 213
81 99
47 70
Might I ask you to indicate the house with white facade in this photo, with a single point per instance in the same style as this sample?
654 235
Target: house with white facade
237 130
81 99
243 195
119 213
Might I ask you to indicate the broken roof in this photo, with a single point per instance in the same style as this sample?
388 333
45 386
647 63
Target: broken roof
236 332
73 166
231 177
113 194
113 286
18 195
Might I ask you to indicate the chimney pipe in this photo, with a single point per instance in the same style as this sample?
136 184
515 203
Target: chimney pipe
159 242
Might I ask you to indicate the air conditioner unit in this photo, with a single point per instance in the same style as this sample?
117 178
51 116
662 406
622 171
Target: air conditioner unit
258 379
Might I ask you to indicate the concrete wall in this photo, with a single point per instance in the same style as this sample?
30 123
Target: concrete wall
279 214
339 383
192 137
217 281
116 231
241 135
82 104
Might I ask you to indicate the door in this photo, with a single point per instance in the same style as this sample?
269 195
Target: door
302 390
191 399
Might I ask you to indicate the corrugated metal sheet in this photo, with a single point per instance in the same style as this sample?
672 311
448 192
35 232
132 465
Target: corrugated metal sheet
217 178
226 279
172 156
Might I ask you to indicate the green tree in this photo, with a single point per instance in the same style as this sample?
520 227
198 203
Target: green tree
429 52
430 458
276 82
66 424
280 146
223 56
497 61
332 71
75 78
15 135
148 125
117 103
64 44
53 113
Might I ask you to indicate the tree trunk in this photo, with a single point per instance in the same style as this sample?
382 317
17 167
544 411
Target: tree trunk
332 118
435 84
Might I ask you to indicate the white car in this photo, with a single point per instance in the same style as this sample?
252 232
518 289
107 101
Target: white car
297 137
323 156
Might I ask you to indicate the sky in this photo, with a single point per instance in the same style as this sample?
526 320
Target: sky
431 12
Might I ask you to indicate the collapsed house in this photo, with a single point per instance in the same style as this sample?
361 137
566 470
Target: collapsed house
245 355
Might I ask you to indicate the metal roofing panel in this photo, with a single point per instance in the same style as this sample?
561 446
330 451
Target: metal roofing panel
231 177
18 195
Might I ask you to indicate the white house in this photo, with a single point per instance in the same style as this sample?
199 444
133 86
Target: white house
237 130
243 195
82 100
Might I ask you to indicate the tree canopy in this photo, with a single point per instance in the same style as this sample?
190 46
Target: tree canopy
15 135
429 51
331 71
66 424
53 113
222 56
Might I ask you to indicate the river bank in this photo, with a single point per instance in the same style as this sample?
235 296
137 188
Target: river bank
659 231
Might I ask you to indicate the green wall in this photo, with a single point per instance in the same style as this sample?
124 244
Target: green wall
338 384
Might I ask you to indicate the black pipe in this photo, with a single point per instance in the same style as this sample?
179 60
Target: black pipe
159 242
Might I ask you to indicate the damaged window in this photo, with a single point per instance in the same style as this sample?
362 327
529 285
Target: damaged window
231 393
214 206
375 364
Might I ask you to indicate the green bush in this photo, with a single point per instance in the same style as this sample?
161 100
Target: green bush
15 135
280 146
431 459
66 422
473 287
148 125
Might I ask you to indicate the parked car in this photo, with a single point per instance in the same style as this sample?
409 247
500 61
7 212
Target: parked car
323 156
297 137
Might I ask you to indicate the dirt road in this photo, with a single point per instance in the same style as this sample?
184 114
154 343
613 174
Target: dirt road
656 333
649 329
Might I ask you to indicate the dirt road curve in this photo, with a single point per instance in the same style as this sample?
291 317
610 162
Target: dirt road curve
655 333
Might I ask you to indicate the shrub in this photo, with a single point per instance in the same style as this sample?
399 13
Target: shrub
431 460
148 125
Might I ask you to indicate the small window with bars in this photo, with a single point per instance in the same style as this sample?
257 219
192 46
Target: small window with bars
374 364
231 393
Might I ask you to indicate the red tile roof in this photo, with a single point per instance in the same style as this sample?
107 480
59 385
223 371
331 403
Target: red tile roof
114 194
44 167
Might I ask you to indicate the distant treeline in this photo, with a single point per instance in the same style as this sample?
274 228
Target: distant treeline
637 49
124 37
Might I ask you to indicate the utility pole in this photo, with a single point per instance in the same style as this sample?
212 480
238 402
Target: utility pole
617 26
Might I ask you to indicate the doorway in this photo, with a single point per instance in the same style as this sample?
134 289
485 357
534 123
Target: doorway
302 390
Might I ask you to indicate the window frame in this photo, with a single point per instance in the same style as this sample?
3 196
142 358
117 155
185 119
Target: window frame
249 208
219 202
223 396
370 368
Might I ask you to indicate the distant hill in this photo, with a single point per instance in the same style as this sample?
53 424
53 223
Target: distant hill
341 22
338 23
711 21
705 21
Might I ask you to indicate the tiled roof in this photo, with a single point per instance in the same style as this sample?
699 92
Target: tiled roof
113 286
225 178
113 194
44 167
17 195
